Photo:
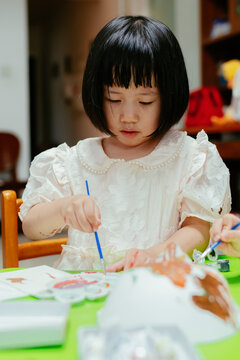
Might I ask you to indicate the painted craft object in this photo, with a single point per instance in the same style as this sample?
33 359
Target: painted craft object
176 292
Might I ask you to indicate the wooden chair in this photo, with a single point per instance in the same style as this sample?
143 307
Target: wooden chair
9 153
12 251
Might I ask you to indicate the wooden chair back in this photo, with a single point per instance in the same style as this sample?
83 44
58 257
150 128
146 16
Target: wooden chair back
12 251
9 150
9 154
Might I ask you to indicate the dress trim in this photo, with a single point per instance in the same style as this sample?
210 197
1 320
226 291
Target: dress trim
110 162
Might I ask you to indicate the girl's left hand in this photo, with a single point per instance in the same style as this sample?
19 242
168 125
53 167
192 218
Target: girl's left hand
222 230
133 257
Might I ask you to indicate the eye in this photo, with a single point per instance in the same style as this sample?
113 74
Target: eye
113 101
145 102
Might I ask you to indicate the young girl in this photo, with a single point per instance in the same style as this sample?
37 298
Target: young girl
149 184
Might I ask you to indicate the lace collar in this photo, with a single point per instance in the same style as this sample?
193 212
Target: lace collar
92 156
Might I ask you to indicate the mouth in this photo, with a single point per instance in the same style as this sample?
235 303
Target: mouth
129 133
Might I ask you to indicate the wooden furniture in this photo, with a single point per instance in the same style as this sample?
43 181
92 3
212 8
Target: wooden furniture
9 153
221 48
228 149
12 251
213 52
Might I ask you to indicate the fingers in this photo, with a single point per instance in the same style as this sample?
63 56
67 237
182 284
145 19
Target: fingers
229 221
227 249
118 266
82 220
223 224
221 229
92 214
136 259
130 259
126 263
82 214
231 235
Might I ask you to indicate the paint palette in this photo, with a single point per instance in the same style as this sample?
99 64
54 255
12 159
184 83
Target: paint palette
87 285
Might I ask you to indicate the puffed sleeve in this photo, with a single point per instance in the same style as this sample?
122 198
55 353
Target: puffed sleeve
49 179
205 190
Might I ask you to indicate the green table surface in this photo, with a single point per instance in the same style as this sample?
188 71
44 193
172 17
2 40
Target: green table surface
85 313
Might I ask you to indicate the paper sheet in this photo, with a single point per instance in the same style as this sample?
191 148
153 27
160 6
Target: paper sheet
29 281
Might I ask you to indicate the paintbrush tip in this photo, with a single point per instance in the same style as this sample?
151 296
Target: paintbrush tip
103 266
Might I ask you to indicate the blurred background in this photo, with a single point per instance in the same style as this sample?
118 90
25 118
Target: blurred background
43 49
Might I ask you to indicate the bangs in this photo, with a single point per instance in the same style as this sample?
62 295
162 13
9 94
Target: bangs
123 66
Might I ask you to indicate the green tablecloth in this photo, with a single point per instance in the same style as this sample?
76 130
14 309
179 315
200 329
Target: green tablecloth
85 314
228 349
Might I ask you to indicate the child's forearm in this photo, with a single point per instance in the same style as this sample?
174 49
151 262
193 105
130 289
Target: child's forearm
194 234
190 238
44 219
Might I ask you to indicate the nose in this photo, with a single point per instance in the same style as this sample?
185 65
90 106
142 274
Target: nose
129 113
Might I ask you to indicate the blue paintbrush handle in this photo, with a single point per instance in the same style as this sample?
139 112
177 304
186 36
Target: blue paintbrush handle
235 226
95 233
98 245
215 244
86 182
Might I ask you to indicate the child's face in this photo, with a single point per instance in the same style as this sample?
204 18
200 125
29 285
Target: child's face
132 114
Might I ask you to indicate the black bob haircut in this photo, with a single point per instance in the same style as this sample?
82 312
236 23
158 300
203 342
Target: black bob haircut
141 49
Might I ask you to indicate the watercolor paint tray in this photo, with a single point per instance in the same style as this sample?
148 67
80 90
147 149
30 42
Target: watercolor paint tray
86 285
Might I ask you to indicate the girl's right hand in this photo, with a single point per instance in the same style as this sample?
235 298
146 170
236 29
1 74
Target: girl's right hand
221 230
81 213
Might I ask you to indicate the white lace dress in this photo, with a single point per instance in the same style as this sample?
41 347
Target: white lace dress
142 201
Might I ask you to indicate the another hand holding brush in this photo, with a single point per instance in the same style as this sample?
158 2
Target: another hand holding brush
222 230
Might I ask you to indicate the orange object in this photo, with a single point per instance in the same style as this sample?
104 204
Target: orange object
223 120
12 251
175 268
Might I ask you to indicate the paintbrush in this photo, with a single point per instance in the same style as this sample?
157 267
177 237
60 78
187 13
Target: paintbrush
213 246
97 240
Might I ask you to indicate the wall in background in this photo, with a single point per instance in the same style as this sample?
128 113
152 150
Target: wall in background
164 11
182 17
14 108
187 31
